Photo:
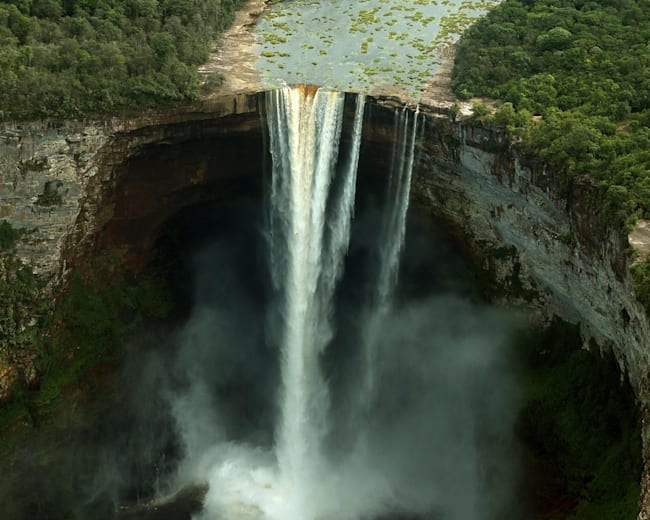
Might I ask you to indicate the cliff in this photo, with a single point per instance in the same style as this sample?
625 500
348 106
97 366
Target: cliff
84 188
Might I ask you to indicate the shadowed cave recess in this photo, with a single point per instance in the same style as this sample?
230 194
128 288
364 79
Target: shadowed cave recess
470 415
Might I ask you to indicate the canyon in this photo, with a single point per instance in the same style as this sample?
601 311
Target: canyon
89 189
105 192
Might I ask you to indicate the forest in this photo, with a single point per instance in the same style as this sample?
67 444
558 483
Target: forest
74 58
572 80
573 77
584 68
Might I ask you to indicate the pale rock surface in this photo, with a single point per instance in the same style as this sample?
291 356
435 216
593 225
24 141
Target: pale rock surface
639 239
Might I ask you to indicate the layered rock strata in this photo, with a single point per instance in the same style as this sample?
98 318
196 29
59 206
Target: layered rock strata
80 188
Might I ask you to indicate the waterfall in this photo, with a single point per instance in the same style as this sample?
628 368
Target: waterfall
397 196
310 230
310 210
367 409
390 244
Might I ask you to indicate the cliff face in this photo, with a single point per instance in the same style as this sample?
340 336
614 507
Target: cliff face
550 254
44 174
56 180
81 189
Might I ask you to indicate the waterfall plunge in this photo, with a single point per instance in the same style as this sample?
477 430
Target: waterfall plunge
310 230
311 204
309 243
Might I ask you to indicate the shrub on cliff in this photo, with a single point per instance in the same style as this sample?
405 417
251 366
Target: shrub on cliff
19 294
8 236
22 303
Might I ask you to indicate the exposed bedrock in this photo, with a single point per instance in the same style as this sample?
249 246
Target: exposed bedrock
91 188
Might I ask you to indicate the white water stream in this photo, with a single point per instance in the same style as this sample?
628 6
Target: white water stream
312 194
312 120
390 244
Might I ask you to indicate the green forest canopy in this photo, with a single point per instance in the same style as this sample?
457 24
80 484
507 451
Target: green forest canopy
68 58
584 67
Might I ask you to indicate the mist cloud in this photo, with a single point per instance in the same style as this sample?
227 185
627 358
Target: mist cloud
437 439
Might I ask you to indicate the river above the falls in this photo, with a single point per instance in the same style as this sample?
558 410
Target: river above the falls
360 46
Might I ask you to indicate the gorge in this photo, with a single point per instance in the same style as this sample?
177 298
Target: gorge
210 349
536 249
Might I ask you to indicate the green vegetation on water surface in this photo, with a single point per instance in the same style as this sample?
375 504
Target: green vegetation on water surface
360 46
69 58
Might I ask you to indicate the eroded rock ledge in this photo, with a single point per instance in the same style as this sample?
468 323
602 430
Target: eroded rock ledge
83 187
52 174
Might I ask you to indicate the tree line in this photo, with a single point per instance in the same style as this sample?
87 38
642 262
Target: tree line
583 68
72 58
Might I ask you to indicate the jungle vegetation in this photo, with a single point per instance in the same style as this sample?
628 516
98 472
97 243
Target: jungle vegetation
574 80
580 428
584 68
72 58
90 321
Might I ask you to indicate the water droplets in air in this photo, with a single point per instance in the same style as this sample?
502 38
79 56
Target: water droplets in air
311 207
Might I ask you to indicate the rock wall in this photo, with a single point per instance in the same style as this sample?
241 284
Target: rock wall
44 173
54 176
548 253
544 251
